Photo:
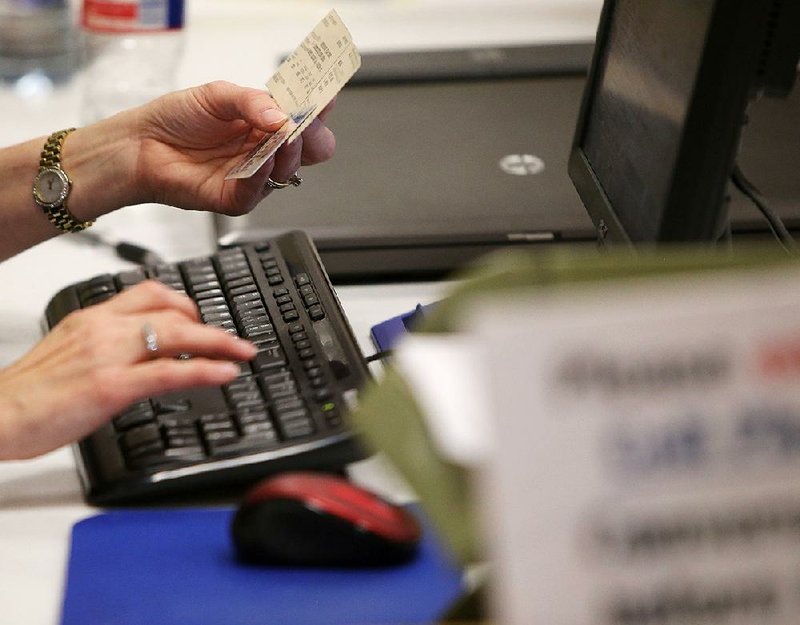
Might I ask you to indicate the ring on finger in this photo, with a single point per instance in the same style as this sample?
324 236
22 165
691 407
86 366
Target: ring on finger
150 338
293 181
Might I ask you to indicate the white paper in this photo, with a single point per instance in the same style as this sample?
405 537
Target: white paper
304 85
646 467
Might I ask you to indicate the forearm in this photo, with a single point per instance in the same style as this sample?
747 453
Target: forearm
101 161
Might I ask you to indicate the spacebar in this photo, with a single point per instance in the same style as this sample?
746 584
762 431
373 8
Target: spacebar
191 404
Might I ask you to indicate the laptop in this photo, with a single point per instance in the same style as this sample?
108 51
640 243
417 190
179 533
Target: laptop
444 155
441 156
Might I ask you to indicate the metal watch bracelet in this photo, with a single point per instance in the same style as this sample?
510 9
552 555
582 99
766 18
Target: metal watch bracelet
59 215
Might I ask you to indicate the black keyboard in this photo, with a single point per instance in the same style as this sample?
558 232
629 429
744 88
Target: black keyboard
284 411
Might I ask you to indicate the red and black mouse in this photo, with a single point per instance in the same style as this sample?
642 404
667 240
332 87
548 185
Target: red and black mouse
315 519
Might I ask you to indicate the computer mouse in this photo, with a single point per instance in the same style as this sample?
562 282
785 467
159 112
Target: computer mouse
316 519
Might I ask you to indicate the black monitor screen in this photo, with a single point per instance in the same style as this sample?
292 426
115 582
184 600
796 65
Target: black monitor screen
641 97
662 114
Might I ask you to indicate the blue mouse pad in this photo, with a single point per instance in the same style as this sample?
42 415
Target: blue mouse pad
177 567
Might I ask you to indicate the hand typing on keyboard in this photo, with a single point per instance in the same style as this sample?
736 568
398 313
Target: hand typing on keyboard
284 409
100 359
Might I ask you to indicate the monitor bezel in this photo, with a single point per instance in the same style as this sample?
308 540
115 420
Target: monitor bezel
694 209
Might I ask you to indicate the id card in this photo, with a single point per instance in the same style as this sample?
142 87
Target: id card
304 85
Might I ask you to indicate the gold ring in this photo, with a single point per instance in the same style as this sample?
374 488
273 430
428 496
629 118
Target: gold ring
293 181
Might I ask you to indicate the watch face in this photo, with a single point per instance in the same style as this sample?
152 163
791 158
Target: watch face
50 186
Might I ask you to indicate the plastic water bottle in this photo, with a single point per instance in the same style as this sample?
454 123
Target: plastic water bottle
132 49
38 43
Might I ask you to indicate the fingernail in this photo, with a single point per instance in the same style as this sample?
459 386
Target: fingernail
228 369
271 117
250 346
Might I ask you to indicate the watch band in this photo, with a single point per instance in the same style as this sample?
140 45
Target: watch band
59 215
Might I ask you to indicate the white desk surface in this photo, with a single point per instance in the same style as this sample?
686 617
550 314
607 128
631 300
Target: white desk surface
239 41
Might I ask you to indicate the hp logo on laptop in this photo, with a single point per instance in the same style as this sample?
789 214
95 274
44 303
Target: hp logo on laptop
521 164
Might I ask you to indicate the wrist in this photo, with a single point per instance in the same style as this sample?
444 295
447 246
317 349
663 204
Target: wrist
10 436
101 161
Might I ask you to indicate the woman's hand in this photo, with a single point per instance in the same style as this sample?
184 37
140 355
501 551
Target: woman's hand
96 362
174 150
189 141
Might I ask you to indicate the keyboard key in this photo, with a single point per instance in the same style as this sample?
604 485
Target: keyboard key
289 407
237 274
241 395
211 293
247 420
314 372
296 428
143 435
218 426
240 282
247 297
210 299
146 455
269 358
253 317
209 283
252 442
254 403
163 406
190 443
251 305
259 431
322 393
137 414
175 420
265 340
97 290
207 308
217 318
242 290
127 279
316 312
251 331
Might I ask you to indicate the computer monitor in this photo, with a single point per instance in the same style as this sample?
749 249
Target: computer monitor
662 113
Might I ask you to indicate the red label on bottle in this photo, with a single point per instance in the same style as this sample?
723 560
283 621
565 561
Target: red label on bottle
132 15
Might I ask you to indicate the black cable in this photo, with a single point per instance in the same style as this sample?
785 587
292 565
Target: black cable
379 355
123 249
776 225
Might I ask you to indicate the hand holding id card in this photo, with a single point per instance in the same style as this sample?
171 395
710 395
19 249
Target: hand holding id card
304 85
